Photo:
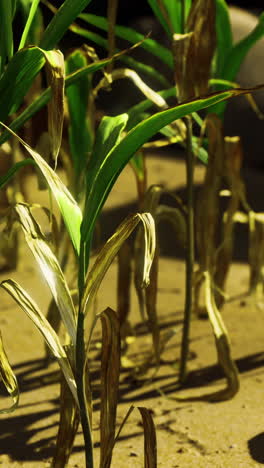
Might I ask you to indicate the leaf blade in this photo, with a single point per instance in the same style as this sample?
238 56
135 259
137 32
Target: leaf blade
8 378
29 306
60 22
50 268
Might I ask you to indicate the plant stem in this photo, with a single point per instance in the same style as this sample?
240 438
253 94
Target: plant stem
80 380
189 253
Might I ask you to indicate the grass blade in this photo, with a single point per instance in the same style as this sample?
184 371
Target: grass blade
224 36
50 268
8 378
29 306
110 369
238 52
69 209
107 136
17 79
32 12
59 24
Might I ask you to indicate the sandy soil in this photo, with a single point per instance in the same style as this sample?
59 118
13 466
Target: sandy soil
189 433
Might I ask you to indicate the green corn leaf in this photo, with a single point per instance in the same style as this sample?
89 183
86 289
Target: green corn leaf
44 98
107 137
116 159
12 171
6 32
234 59
69 209
238 52
59 24
17 79
106 256
140 108
32 12
50 268
29 306
133 37
80 132
224 36
8 378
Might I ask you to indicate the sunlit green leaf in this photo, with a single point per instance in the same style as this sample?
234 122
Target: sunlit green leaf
107 137
32 12
50 268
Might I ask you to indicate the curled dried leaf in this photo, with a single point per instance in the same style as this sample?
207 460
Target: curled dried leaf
222 345
108 253
150 440
110 369
8 378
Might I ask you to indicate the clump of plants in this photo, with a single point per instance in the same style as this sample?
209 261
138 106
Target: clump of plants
93 150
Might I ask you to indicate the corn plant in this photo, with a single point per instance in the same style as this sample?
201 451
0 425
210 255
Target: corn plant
98 158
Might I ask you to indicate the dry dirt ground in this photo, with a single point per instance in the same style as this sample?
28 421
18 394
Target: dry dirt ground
196 434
